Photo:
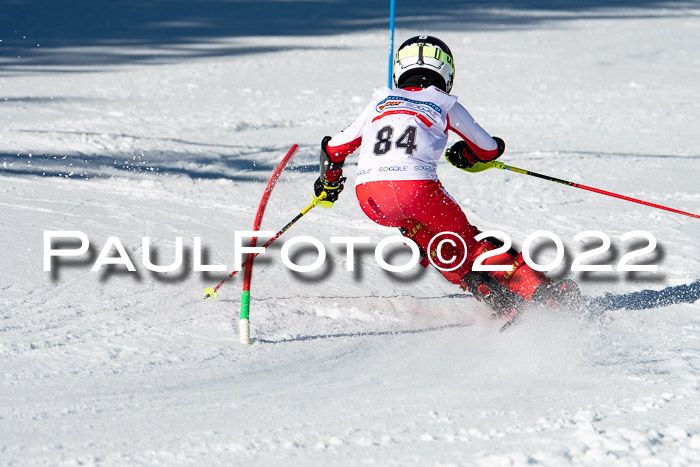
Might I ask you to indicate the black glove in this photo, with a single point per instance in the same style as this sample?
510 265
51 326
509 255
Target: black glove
463 157
322 184
332 190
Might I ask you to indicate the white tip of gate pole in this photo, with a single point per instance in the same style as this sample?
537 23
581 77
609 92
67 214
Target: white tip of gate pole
244 331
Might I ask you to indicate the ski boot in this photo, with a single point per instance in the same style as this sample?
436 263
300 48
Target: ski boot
506 305
560 295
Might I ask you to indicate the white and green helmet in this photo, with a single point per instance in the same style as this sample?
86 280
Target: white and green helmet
425 56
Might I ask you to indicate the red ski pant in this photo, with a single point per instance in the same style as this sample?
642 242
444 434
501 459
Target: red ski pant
424 209
428 213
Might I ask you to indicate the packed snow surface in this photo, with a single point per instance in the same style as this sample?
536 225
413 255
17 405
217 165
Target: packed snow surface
163 122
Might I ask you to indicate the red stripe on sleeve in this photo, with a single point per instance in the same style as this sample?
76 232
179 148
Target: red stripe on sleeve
340 152
483 155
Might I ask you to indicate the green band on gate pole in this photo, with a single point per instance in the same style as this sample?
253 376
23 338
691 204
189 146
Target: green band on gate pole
245 304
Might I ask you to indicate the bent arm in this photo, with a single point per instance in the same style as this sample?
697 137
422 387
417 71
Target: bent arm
345 143
482 145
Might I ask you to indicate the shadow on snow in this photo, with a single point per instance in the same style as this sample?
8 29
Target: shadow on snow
647 299
76 33
244 166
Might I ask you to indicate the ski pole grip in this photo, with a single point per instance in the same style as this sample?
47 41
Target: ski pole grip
481 166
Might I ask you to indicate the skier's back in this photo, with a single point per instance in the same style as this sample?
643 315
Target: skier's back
401 134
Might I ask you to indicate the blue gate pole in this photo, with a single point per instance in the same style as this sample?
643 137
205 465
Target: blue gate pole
391 44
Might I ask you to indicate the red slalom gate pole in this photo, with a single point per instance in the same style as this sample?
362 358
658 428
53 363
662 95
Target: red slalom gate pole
244 322
256 225
479 166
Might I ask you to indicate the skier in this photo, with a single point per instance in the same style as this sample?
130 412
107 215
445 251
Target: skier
401 134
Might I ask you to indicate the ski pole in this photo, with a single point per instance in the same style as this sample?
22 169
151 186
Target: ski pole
211 291
481 166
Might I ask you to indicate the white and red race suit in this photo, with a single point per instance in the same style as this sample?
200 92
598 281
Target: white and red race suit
402 133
